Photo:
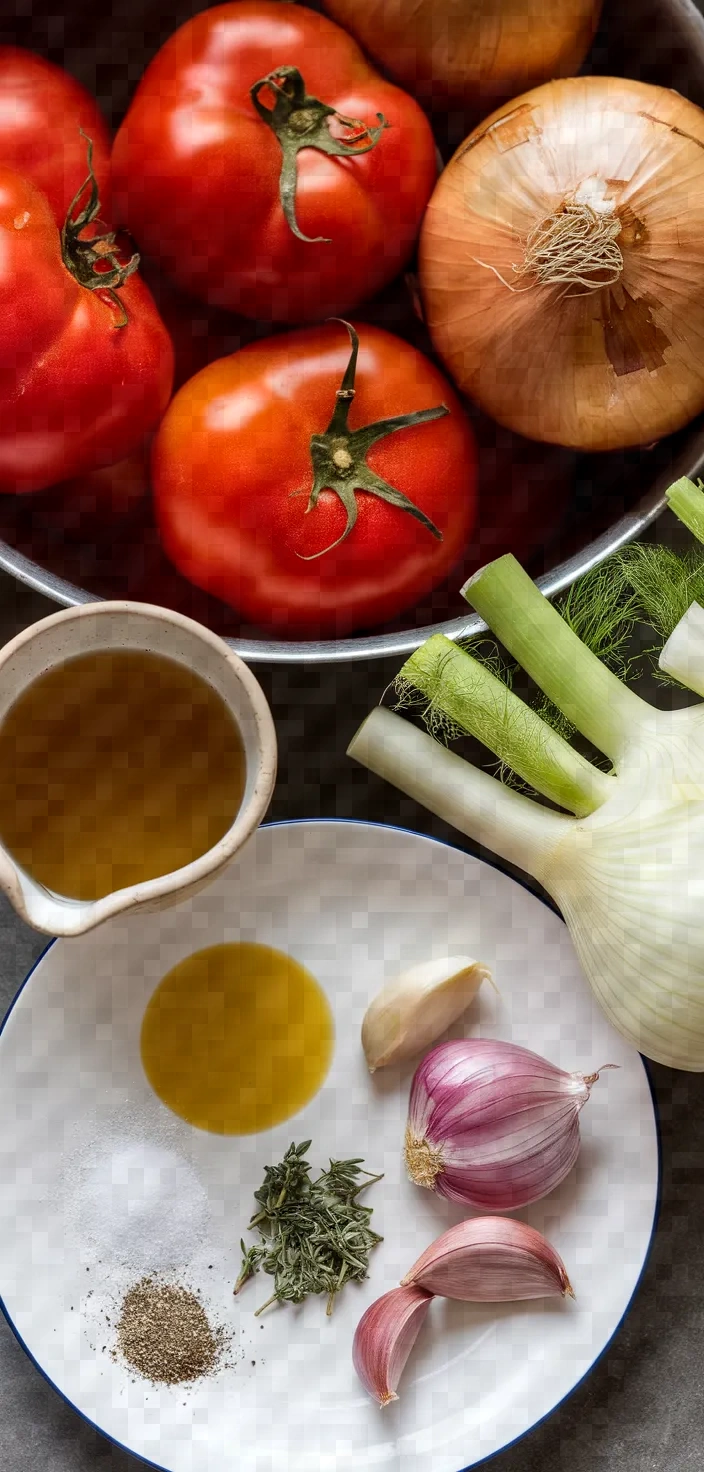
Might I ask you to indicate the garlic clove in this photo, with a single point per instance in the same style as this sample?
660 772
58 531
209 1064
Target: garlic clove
384 1338
490 1259
415 1008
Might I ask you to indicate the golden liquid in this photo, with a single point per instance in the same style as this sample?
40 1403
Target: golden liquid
237 1038
116 767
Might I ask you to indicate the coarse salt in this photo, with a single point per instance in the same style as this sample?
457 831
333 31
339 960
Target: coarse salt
142 1206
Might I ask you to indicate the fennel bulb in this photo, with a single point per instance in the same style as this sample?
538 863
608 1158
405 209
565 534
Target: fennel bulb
627 871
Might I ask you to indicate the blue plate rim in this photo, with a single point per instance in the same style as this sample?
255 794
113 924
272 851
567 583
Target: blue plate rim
471 1466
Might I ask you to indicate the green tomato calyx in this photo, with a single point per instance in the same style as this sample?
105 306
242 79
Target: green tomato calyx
300 121
339 456
94 262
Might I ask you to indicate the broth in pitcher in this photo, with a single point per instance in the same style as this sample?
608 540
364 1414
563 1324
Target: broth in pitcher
116 767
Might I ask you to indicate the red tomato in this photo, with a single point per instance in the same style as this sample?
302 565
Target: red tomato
77 388
197 169
233 472
42 112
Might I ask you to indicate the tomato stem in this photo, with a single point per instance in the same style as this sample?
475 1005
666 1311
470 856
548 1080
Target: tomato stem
85 259
339 456
300 121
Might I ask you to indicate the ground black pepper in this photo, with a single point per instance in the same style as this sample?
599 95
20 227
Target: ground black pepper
164 1333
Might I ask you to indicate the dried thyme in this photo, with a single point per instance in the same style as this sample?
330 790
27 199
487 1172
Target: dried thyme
315 1235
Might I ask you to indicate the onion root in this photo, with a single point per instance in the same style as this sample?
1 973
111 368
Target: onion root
575 246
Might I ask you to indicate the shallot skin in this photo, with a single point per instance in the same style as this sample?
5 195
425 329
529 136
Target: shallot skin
492 1125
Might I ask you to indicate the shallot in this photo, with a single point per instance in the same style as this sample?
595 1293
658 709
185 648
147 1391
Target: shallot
490 1259
492 1124
384 1338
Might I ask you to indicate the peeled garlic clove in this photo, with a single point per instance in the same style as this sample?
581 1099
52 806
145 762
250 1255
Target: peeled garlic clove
413 1010
384 1338
490 1259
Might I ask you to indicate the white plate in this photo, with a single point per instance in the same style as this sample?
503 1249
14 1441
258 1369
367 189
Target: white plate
354 903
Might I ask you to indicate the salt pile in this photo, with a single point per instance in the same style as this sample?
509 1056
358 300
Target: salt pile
142 1206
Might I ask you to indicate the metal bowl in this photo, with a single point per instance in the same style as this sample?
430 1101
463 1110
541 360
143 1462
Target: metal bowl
402 641
561 513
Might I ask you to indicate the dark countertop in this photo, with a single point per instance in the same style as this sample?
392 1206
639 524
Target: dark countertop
642 1408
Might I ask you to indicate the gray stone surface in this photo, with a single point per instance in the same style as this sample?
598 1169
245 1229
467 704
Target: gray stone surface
642 1408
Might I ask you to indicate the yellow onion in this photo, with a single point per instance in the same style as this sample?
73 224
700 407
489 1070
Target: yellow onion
467 51
562 263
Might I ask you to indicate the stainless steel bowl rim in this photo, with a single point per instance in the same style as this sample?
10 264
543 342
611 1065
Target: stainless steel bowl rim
380 646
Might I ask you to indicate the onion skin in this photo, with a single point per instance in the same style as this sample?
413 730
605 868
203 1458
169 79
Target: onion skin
491 1259
491 1124
615 367
460 52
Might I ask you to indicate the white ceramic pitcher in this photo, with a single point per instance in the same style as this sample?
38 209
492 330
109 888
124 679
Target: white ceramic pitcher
126 625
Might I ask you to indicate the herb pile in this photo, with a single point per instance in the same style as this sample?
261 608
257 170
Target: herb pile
315 1234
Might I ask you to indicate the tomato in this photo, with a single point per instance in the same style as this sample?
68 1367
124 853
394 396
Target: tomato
214 182
248 450
42 113
85 373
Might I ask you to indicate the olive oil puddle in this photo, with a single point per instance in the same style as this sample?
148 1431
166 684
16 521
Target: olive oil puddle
237 1038
116 767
